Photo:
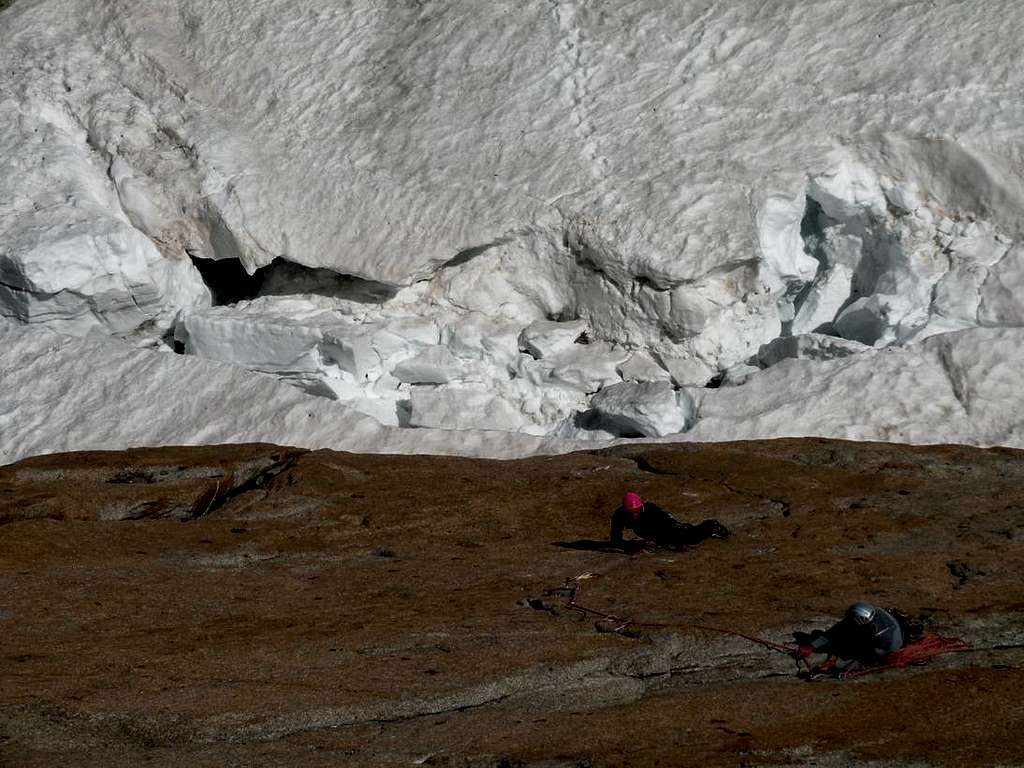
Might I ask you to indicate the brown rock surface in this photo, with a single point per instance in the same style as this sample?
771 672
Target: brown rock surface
254 605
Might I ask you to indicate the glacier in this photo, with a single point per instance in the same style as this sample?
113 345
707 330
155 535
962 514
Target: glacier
505 229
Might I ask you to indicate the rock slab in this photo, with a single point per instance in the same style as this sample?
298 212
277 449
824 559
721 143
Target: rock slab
341 609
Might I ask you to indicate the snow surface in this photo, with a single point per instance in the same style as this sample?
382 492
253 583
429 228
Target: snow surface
100 394
962 387
97 393
555 221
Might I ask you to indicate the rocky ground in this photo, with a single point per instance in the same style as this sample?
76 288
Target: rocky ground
256 605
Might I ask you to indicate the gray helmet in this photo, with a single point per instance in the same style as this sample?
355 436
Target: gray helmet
861 613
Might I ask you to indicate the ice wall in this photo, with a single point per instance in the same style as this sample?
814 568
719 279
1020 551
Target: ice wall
561 219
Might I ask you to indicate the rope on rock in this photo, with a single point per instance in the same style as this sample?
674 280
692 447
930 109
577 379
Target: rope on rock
574 587
917 652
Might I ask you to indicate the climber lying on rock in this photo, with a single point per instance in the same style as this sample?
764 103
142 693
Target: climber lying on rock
656 526
864 637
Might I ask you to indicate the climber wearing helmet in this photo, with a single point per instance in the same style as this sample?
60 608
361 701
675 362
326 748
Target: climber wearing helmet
864 637
653 524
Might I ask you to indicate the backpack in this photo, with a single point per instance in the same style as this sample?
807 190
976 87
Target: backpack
912 627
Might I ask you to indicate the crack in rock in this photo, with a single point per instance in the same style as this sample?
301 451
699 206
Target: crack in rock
228 483
607 680
218 498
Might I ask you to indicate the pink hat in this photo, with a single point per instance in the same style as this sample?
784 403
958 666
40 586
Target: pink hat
632 502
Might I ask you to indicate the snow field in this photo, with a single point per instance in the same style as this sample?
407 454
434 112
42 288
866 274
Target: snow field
508 229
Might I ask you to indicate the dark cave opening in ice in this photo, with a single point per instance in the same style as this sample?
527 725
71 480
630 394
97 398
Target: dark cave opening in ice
229 283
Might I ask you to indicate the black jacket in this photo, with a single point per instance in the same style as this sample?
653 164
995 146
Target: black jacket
867 643
656 525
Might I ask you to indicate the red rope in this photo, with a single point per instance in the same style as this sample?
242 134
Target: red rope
919 651
915 653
